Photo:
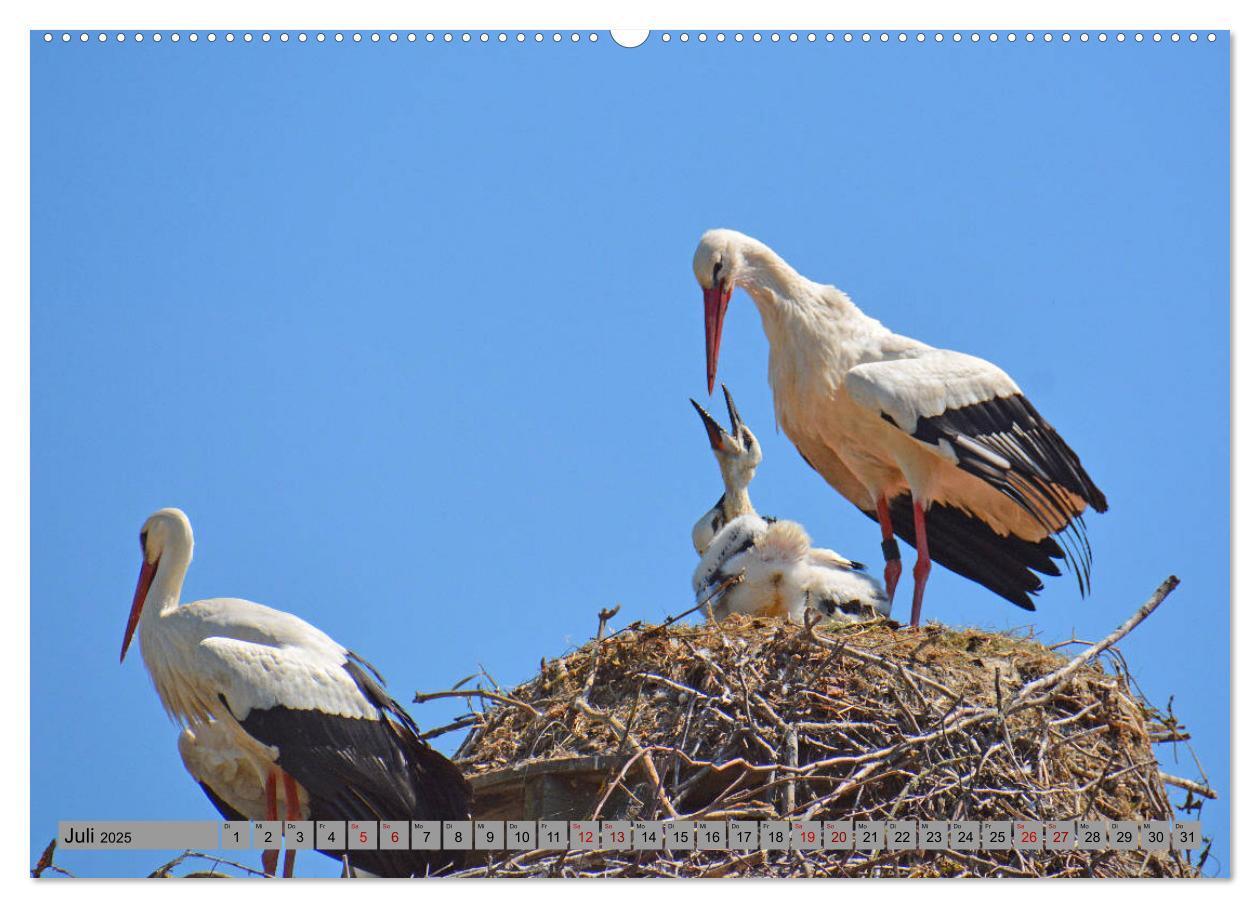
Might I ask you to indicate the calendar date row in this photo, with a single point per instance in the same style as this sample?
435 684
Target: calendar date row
637 835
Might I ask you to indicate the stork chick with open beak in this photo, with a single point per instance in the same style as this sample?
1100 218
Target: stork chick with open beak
762 566
933 444
738 454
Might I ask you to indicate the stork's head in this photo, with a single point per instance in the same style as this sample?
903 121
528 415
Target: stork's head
166 533
738 451
717 263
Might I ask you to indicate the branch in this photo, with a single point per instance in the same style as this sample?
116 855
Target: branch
1187 785
454 726
1054 679
474 692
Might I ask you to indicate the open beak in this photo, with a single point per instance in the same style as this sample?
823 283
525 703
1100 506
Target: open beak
736 421
137 604
716 299
715 431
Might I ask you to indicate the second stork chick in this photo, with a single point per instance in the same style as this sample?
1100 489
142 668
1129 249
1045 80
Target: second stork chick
755 565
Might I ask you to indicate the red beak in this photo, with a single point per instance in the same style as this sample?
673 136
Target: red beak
716 299
142 591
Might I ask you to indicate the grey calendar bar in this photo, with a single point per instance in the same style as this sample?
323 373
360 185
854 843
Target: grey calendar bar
136 835
625 835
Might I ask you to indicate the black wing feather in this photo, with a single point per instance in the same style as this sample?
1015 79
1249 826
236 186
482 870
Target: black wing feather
1009 445
367 769
968 546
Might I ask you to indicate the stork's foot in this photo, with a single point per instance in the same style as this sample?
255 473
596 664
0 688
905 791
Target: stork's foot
921 571
270 858
892 553
292 811
892 573
922 565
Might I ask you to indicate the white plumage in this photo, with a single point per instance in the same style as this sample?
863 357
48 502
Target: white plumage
253 656
266 699
925 382
230 774
757 566
931 443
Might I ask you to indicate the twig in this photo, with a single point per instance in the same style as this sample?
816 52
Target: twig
454 726
606 615
1051 681
1188 785
421 697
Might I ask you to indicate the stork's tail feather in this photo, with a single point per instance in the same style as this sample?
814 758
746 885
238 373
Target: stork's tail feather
968 546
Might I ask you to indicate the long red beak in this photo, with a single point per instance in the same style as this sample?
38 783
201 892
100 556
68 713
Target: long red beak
137 604
716 299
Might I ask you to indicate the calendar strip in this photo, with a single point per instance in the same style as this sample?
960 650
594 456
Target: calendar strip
637 835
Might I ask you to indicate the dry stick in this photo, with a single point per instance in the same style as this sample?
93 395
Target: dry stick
612 786
489 677
592 713
793 757
45 859
216 861
475 692
673 619
1051 682
606 615
454 726
1188 785
682 743
872 659
634 711
712 810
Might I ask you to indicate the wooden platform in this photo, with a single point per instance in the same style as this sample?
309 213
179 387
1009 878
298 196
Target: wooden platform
561 789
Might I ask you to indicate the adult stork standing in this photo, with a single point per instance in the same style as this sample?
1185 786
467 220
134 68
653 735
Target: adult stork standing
939 447
277 712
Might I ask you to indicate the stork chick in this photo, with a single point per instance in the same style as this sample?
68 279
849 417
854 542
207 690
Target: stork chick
754 565
929 443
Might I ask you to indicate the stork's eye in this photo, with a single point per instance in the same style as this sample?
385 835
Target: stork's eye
717 269
144 540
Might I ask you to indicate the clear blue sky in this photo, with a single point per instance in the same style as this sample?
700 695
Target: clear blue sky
409 332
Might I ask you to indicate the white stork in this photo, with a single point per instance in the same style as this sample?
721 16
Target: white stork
935 445
754 565
738 455
264 693
239 783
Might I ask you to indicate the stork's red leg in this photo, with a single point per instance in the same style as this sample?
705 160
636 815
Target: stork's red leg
922 566
292 811
892 555
271 856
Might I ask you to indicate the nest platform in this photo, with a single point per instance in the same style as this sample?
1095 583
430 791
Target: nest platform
760 719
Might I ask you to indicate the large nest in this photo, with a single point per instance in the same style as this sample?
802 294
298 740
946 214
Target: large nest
759 719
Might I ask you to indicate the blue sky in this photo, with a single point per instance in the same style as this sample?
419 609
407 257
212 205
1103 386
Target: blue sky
409 332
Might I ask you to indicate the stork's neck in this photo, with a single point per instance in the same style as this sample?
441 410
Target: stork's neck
167 584
811 327
736 502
